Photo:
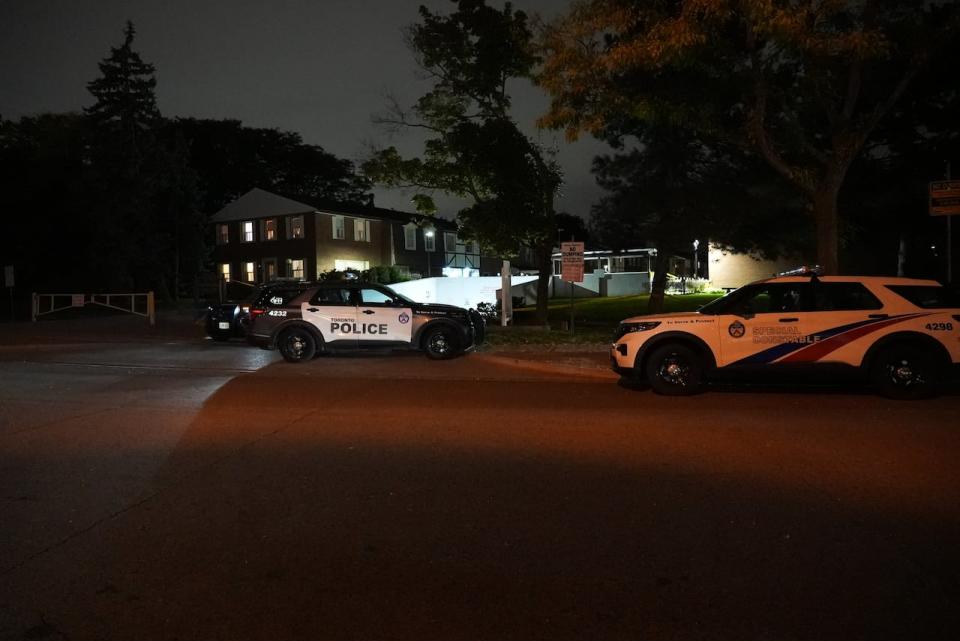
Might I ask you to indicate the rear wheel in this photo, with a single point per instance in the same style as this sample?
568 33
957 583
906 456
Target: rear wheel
675 370
905 372
441 343
297 344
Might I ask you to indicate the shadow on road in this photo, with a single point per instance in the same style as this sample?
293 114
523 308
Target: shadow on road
338 510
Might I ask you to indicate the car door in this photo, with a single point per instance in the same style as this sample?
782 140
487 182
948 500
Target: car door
843 313
333 311
766 323
383 318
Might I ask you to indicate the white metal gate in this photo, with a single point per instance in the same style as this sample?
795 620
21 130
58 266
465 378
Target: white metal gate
138 304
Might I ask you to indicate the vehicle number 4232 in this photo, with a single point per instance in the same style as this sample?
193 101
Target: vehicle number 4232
939 327
277 312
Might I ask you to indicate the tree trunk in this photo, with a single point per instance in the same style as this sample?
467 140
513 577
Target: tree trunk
659 286
825 220
545 273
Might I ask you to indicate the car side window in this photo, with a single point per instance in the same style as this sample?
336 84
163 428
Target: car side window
370 296
774 298
841 297
331 296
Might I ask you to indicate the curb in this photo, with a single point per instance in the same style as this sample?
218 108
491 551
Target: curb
547 367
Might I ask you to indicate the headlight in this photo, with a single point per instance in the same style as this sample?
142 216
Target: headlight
628 328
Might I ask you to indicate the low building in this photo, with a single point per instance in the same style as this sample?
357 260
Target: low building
262 236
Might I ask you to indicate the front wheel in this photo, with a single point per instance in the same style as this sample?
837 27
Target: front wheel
675 370
297 344
441 343
905 372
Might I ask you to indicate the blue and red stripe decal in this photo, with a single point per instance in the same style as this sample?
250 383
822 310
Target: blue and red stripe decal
813 347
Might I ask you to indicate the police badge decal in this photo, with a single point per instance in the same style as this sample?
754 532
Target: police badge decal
404 318
736 329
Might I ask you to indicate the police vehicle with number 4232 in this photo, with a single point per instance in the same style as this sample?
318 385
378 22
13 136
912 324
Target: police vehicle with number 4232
333 316
903 335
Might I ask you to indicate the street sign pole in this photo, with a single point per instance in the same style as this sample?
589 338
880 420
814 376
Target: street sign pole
945 201
571 262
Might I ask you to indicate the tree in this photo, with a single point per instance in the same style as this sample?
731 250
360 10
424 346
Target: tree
670 188
131 245
803 85
230 159
475 149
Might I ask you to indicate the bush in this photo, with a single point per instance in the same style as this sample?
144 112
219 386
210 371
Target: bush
386 274
489 311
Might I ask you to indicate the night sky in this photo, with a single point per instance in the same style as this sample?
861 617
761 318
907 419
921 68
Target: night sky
317 67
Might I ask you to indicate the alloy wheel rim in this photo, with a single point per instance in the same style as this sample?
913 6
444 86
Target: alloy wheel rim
674 370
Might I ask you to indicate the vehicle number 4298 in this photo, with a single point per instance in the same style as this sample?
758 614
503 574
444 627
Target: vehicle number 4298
939 327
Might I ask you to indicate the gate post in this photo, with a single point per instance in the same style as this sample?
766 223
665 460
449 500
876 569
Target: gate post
151 309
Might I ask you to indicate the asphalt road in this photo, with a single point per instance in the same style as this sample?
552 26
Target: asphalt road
191 490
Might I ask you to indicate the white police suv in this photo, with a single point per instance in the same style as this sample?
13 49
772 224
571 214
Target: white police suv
332 316
902 334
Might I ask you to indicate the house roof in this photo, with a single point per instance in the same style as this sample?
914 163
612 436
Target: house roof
259 203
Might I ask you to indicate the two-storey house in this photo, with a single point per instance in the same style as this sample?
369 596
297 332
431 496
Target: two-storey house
262 236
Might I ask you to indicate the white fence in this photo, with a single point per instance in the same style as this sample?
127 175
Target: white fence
141 304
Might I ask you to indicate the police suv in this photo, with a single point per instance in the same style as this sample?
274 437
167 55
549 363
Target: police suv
902 334
332 316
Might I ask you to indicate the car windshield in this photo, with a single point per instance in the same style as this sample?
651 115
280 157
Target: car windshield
722 304
398 296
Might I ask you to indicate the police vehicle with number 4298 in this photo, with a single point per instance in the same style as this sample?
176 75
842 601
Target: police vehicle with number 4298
901 334
333 316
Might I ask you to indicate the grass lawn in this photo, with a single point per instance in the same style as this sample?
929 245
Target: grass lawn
594 319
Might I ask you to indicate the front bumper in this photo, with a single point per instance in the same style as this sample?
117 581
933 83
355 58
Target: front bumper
621 361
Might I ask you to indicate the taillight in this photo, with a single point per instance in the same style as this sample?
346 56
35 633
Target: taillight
255 311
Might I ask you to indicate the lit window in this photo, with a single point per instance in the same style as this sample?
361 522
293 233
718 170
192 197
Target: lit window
295 268
429 240
295 227
361 230
450 241
410 236
247 227
352 265
223 234
270 229
249 272
338 233
225 272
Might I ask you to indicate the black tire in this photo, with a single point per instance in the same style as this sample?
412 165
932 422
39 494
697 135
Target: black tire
905 372
297 344
441 343
674 370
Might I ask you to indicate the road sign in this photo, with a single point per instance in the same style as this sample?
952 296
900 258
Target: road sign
945 197
571 262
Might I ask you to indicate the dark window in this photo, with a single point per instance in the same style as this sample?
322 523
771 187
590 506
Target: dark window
332 296
927 296
841 297
764 298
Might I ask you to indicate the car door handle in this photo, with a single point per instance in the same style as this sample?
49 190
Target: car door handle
789 320
878 316
368 311
312 309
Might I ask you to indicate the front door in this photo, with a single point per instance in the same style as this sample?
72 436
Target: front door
768 322
382 318
333 311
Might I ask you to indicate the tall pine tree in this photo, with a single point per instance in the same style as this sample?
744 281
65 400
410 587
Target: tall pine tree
138 234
